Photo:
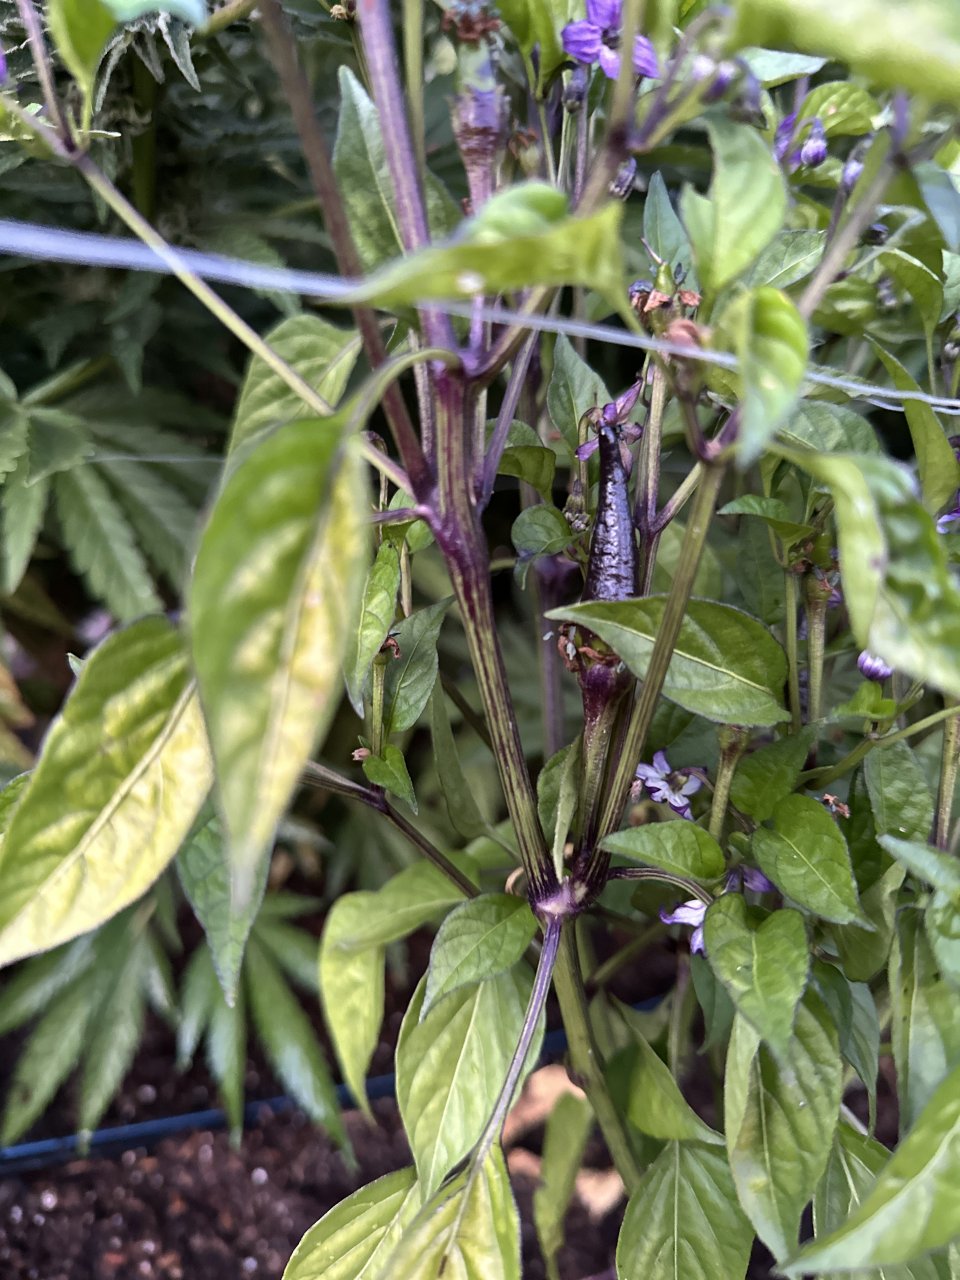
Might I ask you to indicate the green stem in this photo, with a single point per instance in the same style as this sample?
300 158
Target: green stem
823 777
232 11
648 481
693 543
816 642
635 947
585 1057
143 145
793 657
949 758
412 26
732 743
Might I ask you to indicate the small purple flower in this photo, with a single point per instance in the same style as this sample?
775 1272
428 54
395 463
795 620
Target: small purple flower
851 174
814 148
783 136
597 39
669 787
691 912
873 668
748 878
947 523
811 152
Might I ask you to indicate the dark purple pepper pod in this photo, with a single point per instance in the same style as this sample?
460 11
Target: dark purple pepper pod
612 563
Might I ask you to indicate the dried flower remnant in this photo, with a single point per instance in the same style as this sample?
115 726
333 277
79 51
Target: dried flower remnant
668 786
597 39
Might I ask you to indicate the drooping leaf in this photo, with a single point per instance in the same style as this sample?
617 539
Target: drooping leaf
80 30
377 611
122 774
655 1104
684 1219
476 941
678 847
806 857
762 962
745 207
321 353
780 1117
199 991
412 673
358 1235
726 665
390 772
205 873
451 1065
227 1055
275 590
923 860
469 1230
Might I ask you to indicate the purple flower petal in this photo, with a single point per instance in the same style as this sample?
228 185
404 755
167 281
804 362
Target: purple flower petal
696 942
605 13
649 775
756 880
679 806
873 668
691 912
584 451
581 40
662 764
691 786
609 62
644 57
783 135
945 523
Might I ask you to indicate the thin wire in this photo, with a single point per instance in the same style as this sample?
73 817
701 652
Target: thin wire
86 248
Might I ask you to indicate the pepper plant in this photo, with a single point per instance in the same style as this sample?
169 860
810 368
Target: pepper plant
691 329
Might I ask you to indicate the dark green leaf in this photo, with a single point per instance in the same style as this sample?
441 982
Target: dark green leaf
762 962
390 772
377 612
22 508
573 389
413 673
540 530
726 665
718 1009
679 847
462 809
476 941
769 774
899 793
806 857
655 1104
662 229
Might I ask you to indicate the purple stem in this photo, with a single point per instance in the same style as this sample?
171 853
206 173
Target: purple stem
508 410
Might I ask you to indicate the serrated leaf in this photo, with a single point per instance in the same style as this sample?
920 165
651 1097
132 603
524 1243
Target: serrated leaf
22 508
377 611
680 848
684 1220
101 545
123 772
33 985
726 666
290 1042
412 674
762 962
390 772
451 1065
806 857
469 1230
276 586
354 1239
164 522
780 1117
191 11
203 866
295 950
476 941
321 353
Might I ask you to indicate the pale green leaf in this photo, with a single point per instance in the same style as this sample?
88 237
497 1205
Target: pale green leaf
80 30
477 940
655 1104
465 816
227 1055
573 389
937 464
22 508
565 1137
899 792
377 611
352 990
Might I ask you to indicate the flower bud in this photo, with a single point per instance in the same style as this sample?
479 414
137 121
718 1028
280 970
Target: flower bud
813 150
873 668
851 174
622 185
575 90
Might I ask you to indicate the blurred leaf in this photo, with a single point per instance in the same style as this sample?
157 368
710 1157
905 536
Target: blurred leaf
806 857
276 586
359 1234
390 772
412 674
469 1230
191 11
198 993
932 865
322 354
290 1042
33 985
227 1055
477 940
762 962
123 772
565 1137
726 665
680 848
843 108
684 1219
528 459
537 23
22 508
204 868
745 208
899 793
377 610
942 198
780 1118
663 230
789 257
451 1065
80 30
937 464
829 428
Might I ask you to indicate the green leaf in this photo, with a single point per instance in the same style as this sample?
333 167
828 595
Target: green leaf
806 857
204 868
829 428
33 985
942 920
726 665
855 1161
789 257
937 465
772 67
227 1055
573 389
540 530
679 847
717 1007
295 950
780 1117
390 772
558 791
767 333
164 522
684 1220
854 1014
465 817
843 108
290 1042
476 941
377 611
914 1204
414 897
761 961
899 793
469 1230
565 1138
925 1020
358 1235
910 48
412 675
22 508
662 229
932 865
745 208
322 354
451 1065
864 954
276 587
363 177
769 774
942 198
528 459
199 992
538 23
122 774
190 11
101 545
564 251
655 1104
80 30
924 287
352 990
